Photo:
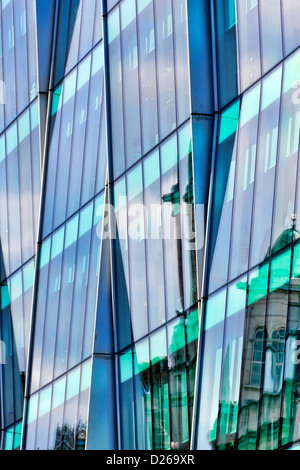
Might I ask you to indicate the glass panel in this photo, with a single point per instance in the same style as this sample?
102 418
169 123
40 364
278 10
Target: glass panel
288 156
42 428
253 358
165 66
232 361
154 244
211 372
122 264
244 182
56 421
148 88
143 402
291 25
137 262
249 47
271 37
131 105
181 59
171 227
227 47
188 223
178 385
223 197
192 335
114 41
31 421
266 165
127 401
80 139
290 413
160 387
275 347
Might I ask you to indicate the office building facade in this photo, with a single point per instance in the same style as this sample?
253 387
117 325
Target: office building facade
149 192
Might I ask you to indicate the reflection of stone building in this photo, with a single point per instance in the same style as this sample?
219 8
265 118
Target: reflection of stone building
265 347
68 438
269 395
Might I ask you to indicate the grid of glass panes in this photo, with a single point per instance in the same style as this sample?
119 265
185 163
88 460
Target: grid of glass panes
148 64
157 378
18 64
251 323
253 36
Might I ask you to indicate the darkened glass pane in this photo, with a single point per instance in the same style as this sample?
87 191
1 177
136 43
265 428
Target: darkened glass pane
223 197
227 50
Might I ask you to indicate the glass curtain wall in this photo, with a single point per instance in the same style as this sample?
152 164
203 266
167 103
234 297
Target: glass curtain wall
20 184
250 335
67 276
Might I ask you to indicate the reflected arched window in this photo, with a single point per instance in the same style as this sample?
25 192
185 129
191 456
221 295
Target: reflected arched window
278 347
258 347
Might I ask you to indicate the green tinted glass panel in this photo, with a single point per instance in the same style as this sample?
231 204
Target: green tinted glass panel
45 401
141 357
99 209
16 286
158 347
113 25
135 182
11 139
271 89
258 284
2 148
86 376
142 4
185 141
250 105
56 100
57 243
126 366
86 220
169 155
18 435
9 439
33 407
237 297
296 261
176 336
73 383
192 326
215 310
59 390
291 72
5 297
280 271
24 126
128 13
151 169
34 115
120 194
45 253
71 231
229 122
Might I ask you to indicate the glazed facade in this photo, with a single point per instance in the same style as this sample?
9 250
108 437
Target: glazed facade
124 327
